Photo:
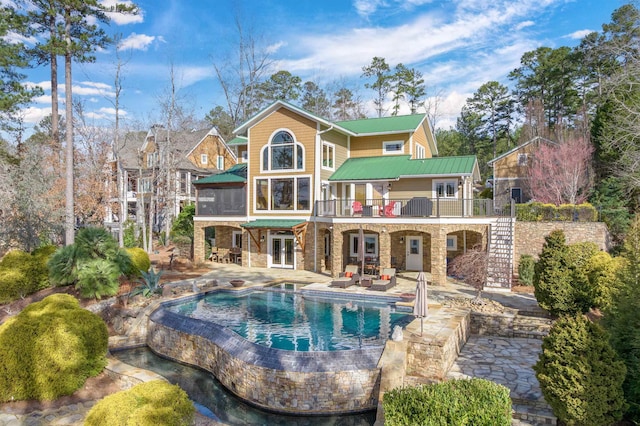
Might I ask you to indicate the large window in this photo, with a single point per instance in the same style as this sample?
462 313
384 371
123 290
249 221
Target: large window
283 194
370 245
445 189
328 155
283 153
420 151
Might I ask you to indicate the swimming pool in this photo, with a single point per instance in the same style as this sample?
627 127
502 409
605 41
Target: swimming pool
299 321
288 381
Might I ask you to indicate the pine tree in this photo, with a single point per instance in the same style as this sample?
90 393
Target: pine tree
552 278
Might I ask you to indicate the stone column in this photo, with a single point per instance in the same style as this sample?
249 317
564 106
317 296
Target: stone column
198 242
336 250
439 256
384 250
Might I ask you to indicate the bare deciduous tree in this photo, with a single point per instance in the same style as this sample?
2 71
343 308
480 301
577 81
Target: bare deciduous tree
471 268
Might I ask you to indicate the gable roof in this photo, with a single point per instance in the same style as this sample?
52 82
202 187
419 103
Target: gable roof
522 145
386 125
242 129
236 174
238 140
399 166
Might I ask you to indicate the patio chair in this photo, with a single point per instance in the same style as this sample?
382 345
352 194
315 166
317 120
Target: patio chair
347 278
389 209
356 207
386 281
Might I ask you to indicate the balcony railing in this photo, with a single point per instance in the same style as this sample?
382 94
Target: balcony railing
408 207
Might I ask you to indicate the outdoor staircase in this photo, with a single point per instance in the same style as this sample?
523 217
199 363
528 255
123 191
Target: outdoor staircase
500 262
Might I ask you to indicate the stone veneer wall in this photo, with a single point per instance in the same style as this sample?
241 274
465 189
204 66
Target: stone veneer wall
286 381
445 333
509 324
529 236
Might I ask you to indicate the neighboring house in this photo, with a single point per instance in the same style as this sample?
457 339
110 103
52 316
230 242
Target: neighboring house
510 172
163 164
320 195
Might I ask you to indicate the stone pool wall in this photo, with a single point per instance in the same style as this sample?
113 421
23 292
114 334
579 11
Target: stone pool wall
285 381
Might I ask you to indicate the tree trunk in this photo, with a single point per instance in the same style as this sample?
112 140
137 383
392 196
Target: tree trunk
69 210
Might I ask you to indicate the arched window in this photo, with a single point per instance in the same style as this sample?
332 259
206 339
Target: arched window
283 153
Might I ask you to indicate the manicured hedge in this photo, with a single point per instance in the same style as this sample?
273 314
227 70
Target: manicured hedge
151 403
539 212
476 402
49 349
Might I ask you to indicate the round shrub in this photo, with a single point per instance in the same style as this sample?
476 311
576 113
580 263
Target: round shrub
580 374
49 349
13 285
151 403
526 269
475 402
140 261
97 278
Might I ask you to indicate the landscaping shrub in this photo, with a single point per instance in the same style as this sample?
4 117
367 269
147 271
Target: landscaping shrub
580 374
151 403
183 224
537 212
140 261
76 263
22 274
526 269
475 402
49 349
553 275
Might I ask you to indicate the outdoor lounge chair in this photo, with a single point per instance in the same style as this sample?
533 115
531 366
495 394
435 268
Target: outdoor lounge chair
386 281
357 207
347 278
389 209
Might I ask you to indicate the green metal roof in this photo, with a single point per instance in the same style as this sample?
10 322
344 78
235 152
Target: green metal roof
394 167
401 123
238 140
236 174
272 223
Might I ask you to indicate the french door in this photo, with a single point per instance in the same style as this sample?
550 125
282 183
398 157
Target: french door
281 251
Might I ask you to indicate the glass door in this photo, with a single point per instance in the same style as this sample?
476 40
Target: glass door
282 252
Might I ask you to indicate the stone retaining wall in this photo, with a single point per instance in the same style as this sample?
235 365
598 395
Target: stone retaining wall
285 381
529 236
508 324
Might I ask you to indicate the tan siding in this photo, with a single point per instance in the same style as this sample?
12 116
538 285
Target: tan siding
303 129
341 152
507 167
371 146
420 138
409 188
212 146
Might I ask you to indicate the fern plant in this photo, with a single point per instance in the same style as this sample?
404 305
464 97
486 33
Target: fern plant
149 285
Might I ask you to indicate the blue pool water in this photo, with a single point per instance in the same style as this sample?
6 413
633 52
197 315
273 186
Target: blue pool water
299 321
214 401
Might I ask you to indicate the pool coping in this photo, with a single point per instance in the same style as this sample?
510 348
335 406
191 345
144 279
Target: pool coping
272 358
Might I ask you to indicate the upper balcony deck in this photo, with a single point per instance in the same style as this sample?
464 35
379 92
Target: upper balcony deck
409 207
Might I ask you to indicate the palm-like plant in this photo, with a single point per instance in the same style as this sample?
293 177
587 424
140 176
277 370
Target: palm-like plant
63 266
97 278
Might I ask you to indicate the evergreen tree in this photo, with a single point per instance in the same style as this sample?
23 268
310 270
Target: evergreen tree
315 100
623 322
493 103
282 86
552 278
382 73
580 374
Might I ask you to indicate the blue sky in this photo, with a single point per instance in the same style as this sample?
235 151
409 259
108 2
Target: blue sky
458 45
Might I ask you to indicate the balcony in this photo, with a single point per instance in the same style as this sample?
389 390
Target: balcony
408 207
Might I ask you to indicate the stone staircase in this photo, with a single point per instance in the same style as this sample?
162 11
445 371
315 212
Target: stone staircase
500 263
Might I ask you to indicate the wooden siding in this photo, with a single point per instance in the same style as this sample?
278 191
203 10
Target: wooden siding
304 131
341 151
212 146
410 188
420 137
371 146
507 167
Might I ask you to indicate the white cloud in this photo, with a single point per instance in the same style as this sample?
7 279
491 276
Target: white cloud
105 113
524 24
275 47
367 7
578 35
15 38
122 18
136 42
35 115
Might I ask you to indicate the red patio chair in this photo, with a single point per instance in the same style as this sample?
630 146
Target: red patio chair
388 209
357 207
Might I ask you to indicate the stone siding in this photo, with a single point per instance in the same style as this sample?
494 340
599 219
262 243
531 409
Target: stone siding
284 381
509 324
529 236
